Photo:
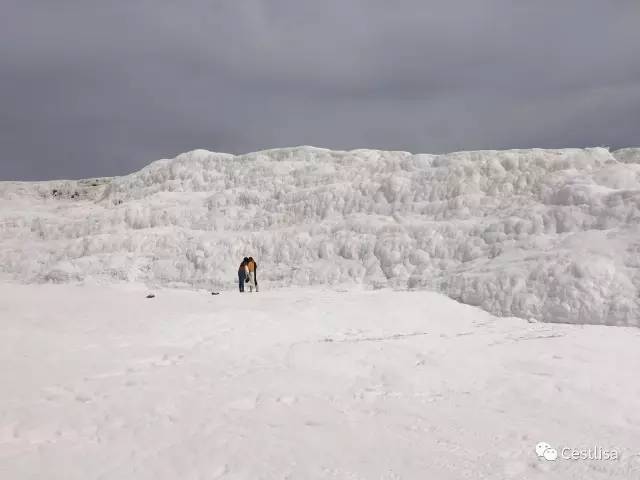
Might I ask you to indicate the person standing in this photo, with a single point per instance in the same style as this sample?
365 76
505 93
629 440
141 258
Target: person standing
243 273
252 266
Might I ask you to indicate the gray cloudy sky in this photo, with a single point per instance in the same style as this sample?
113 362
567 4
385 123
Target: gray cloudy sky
93 88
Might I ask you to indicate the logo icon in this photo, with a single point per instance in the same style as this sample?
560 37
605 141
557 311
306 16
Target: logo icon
546 451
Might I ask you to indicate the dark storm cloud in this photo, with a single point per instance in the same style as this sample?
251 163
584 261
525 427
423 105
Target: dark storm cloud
101 88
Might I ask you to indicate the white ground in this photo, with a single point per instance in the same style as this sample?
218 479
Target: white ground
99 382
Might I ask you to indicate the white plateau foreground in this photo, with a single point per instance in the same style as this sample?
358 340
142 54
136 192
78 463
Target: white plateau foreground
99 382
552 235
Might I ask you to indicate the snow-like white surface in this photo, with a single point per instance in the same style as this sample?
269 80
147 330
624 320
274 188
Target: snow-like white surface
546 234
99 382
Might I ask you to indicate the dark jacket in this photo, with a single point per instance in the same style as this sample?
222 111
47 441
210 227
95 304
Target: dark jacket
242 269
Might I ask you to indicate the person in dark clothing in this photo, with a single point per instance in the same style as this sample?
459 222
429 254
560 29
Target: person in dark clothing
243 274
